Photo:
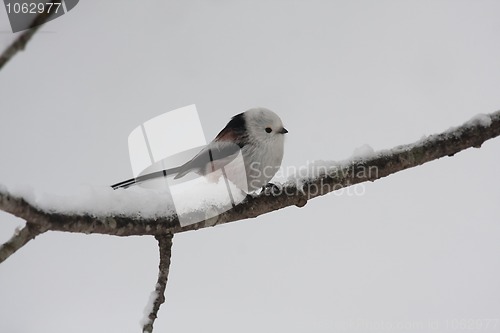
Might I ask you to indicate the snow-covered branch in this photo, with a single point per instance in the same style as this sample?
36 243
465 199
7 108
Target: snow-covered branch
296 191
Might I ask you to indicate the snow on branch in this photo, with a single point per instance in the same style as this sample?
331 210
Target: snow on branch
295 192
121 221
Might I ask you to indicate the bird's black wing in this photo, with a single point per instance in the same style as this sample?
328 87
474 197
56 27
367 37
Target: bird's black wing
214 156
221 151
210 158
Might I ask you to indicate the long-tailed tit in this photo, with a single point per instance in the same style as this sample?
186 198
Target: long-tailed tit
257 133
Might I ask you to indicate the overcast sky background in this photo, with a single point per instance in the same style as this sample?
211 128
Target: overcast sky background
420 247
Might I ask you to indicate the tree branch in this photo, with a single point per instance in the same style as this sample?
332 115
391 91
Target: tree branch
383 163
158 295
19 239
37 223
336 176
22 40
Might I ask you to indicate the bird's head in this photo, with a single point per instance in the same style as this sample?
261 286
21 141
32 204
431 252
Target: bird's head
264 126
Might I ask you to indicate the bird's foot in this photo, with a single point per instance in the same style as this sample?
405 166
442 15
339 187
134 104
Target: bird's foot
271 189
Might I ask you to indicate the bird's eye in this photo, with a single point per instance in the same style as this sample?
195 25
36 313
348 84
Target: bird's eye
269 129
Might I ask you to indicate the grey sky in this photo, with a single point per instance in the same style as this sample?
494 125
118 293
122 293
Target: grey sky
417 248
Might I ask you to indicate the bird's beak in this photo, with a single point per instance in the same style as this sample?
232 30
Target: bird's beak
283 130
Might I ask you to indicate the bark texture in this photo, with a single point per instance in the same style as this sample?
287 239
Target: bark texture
297 193
347 173
165 246
22 40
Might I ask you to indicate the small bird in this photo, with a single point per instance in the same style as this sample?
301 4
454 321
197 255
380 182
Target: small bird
257 133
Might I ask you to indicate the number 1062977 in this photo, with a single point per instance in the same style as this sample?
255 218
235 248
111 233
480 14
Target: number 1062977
32 8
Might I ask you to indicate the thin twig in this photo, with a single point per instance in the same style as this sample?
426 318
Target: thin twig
22 40
37 222
19 239
158 296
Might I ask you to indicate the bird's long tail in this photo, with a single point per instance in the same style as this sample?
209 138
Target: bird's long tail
154 175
